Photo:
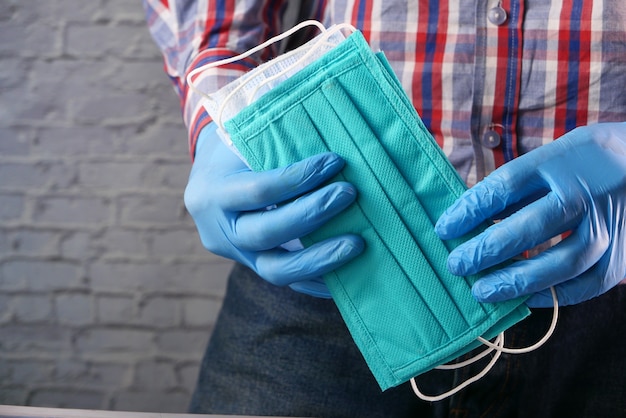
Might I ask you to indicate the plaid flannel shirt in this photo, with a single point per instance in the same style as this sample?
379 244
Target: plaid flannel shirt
549 67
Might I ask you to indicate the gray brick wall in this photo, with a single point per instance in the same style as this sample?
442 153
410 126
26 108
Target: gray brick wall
107 297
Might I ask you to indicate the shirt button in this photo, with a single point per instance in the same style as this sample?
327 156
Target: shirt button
497 15
491 139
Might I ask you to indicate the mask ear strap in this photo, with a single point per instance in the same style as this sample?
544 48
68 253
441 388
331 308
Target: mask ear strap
324 38
249 52
498 346
548 334
499 342
326 34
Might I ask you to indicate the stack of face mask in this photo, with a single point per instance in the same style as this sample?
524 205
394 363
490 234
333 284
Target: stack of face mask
406 312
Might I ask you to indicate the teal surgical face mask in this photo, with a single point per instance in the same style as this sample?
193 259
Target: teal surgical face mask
406 312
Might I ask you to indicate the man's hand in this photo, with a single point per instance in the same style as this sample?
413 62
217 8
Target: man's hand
576 183
229 202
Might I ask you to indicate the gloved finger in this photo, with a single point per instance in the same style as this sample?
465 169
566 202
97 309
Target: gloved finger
266 229
281 267
247 190
579 289
515 207
593 282
543 299
546 269
525 229
508 185
314 287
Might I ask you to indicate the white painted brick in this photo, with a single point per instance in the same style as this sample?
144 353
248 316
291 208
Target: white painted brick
160 312
183 342
129 277
7 10
64 79
36 339
155 374
194 278
13 72
119 242
67 398
91 374
74 141
104 40
137 75
26 107
123 10
13 395
74 309
78 245
108 340
200 312
29 12
167 175
188 374
73 210
205 278
25 372
33 40
153 209
32 308
115 175
14 142
115 309
41 276
165 140
107 107
73 11
170 243
30 242
11 206
39 175
5 315
5 246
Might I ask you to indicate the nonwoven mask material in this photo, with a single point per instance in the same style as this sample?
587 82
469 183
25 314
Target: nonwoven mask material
405 311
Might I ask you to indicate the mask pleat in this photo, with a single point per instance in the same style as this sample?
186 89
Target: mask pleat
395 142
379 210
404 226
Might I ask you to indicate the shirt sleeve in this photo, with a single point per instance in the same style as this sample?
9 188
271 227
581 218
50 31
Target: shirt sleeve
191 33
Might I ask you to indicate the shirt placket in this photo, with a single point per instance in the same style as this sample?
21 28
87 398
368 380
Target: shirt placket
496 83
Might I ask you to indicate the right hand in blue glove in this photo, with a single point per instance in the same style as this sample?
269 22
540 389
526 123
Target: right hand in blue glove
576 183
228 203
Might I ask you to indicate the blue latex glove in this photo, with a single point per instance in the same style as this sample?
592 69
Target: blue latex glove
228 203
576 183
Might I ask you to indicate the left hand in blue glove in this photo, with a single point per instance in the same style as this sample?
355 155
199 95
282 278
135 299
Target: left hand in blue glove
576 183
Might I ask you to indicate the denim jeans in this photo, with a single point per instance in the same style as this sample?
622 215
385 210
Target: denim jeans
276 352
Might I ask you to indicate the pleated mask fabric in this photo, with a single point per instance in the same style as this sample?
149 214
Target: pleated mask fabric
405 311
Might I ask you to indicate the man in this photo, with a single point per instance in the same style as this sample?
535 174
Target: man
492 81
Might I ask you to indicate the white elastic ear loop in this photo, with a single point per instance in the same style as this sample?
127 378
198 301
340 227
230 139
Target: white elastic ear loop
326 33
499 343
498 346
548 334
248 53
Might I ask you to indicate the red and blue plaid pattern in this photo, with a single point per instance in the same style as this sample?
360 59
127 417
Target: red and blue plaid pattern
552 66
